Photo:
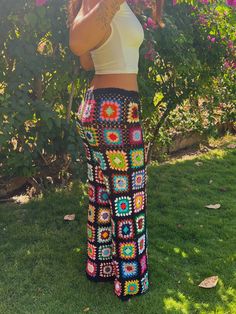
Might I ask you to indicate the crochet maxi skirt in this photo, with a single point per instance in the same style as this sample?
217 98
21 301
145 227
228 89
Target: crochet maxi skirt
109 124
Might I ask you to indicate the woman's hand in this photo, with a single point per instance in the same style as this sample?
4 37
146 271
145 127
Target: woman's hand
86 61
157 9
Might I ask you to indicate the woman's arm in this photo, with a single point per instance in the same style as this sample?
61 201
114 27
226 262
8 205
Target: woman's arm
89 28
157 11
86 61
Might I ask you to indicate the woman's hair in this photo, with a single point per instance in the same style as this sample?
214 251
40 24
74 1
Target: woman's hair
73 7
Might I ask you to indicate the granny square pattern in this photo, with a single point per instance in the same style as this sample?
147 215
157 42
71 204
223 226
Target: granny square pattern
109 125
112 136
110 111
120 183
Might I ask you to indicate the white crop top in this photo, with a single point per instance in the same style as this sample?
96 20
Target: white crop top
120 52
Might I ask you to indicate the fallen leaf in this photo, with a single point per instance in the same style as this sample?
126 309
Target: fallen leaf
198 163
69 217
213 206
209 282
231 146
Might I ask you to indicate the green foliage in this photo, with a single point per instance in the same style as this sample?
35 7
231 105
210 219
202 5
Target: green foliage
189 67
42 82
37 77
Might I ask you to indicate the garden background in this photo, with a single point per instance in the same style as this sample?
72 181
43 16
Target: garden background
187 87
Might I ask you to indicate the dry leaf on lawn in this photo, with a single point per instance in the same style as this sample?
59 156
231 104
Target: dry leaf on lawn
231 146
198 163
69 217
213 206
209 282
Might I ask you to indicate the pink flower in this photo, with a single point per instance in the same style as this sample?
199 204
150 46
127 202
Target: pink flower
151 23
150 54
230 44
40 3
231 3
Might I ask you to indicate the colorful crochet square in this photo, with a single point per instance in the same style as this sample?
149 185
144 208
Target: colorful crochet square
133 112
90 172
107 183
140 223
145 282
98 156
112 136
106 269
135 135
120 183
138 179
138 201
137 157
116 268
113 227
92 251
91 192
91 233
131 287
91 268
141 244
127 250
99 174
114 253
104 234
105 252
110 111
117 159
117 287
87 151
123 206
91 136
125 229
88 111
129 269
102 196
104 216
143 263
91 213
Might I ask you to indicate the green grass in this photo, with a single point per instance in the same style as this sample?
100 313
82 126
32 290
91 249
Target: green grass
42 257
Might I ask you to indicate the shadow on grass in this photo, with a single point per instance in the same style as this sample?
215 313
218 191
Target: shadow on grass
43 258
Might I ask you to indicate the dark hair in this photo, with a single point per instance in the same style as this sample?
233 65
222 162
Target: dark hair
73 7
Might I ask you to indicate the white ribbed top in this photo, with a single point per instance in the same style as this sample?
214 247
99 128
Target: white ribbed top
120 52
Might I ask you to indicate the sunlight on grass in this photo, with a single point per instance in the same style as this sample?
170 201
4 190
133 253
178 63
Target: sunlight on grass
216 153
182 304
196 250
179 251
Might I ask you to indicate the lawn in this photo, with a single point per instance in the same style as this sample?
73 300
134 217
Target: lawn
42 257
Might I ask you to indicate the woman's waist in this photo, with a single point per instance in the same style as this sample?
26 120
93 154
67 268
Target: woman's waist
120 80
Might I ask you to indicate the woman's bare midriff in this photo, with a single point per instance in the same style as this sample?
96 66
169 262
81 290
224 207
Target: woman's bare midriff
126 81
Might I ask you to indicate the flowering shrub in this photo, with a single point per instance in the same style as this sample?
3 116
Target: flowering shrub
42 82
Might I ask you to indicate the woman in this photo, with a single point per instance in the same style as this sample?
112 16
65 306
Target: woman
106 35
